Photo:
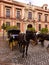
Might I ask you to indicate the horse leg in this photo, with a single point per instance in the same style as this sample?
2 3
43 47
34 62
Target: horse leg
42 43
36 41
20 47
23 51
27 48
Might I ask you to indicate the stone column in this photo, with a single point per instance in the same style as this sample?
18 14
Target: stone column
2 14
23 13
2 10
13 14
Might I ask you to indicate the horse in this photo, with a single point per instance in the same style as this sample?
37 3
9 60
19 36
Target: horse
24 40
42 37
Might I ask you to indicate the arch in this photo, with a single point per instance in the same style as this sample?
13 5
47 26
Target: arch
29 26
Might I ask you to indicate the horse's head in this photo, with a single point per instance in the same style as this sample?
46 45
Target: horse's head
30 35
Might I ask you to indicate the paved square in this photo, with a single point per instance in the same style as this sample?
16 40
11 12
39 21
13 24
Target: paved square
37 55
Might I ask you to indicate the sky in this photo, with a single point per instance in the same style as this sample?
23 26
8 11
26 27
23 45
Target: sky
35 2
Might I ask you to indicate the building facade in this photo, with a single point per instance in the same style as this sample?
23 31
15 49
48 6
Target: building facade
21 14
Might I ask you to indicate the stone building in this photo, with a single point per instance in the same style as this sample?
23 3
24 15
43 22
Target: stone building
21 14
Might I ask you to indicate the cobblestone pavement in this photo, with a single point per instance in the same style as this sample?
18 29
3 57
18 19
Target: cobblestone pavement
37 55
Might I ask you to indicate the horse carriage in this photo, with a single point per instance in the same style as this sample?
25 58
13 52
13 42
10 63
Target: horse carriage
23 39
13 36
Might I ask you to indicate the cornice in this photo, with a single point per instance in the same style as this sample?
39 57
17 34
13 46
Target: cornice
11 18
12 3
42 10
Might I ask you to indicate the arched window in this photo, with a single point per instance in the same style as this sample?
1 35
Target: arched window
46 17
18 25
7 12
29 15
39 27
45 26
7 23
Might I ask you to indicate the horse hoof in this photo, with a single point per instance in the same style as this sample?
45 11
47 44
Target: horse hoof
22 56
26 54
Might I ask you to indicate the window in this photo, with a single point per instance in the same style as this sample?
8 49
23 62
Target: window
18 13
45 26
39 27
39 17
45 8
45 17
18 25
7 23
29 15
8 13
